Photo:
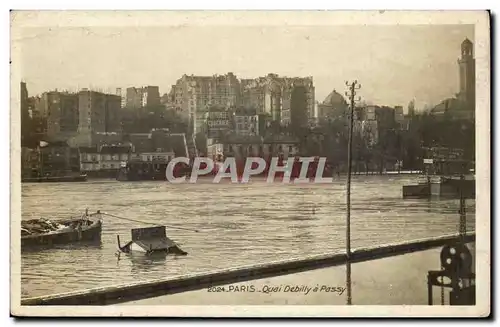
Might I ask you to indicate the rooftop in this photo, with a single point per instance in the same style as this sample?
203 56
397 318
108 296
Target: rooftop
334 99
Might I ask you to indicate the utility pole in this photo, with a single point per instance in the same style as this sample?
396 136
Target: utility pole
353 86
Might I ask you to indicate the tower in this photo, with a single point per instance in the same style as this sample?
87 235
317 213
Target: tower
467 70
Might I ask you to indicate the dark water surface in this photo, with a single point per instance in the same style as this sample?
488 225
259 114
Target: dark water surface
238 225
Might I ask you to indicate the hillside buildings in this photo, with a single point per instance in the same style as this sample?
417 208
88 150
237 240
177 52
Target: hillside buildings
288 100
230 115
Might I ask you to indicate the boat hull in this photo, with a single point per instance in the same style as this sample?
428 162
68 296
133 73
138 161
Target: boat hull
91 234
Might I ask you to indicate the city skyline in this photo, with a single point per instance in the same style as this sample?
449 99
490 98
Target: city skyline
316 149
420 60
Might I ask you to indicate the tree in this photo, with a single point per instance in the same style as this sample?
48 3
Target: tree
201 143
366 146
411 108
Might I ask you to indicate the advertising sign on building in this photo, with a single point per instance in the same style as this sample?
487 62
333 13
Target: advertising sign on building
218 122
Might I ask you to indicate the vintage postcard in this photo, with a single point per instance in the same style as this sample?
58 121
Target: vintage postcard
250 164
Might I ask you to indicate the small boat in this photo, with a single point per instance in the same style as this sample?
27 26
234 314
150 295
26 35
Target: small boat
44 232
149 241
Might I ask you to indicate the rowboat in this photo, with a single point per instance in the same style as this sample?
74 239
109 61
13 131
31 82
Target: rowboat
150 241
43 232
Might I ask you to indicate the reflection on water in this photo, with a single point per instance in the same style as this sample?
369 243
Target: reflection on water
238 225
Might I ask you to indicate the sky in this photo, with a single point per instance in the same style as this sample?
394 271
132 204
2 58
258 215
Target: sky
393 63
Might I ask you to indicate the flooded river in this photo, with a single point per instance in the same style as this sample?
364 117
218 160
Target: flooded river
238 225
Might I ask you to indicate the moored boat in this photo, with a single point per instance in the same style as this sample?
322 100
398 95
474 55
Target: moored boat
447 175
137 170
44 232
442 186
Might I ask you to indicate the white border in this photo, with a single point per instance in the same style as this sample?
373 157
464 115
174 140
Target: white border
482 160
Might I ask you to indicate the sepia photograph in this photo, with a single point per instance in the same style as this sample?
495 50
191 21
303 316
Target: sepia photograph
250 163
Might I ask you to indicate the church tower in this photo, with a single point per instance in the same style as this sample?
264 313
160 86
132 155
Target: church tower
467 66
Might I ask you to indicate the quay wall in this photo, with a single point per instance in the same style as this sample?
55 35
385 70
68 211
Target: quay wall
159 287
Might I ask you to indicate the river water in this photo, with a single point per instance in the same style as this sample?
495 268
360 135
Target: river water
239 224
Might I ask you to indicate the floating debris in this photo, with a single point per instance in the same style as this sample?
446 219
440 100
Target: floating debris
150 240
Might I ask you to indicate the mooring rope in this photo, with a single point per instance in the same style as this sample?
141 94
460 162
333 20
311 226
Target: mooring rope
147 222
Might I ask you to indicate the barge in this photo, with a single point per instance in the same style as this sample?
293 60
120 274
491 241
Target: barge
446 187
447 175
43 232
137 170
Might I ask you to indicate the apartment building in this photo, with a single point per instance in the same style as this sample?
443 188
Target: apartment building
138 97
99 114
288 100
62 112
194 94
